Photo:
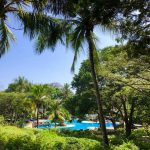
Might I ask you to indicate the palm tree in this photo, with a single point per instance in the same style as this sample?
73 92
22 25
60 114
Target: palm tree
83 16
38 96
78 29
30 21
57 113
66 92
20 84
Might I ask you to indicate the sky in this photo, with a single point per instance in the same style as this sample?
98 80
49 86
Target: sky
48 67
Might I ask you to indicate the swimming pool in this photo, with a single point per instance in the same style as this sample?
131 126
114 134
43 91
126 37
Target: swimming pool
84 125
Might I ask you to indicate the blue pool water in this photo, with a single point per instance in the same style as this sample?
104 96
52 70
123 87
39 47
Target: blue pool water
77 126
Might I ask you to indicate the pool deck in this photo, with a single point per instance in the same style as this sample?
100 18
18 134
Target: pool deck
89 122
32 124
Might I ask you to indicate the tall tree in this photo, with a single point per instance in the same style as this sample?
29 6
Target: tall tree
129 77
20 84
79 28
135 26
66 92
38 95
130 74
84 95
14 106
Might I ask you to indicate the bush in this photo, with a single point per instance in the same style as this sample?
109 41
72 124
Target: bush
138 133
116 140
83 144
23 142
141 139
1 120
13 138
51 140
81 134
127 146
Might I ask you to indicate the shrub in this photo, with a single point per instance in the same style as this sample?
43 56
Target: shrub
81 143
1 120
23 142
13 138
51 140
127 146
141 139
138 133
80 134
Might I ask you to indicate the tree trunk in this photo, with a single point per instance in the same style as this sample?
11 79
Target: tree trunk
43 112
37 116
128 119
114 124
95 80
131 118
128 127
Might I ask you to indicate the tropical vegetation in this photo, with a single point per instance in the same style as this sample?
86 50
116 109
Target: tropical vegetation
15 138
113 82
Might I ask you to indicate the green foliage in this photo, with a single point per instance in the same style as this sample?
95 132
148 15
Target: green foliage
66 92
129 78
84 96
14 107
135 27
58 113
5 36
81 134
20 84
12 138
128 72
138 133
141 138
83 144
128 88
1 120
127 146
138 137
23 100
33 21
117 139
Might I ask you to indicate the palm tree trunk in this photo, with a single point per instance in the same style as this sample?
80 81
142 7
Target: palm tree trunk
37 117
95 80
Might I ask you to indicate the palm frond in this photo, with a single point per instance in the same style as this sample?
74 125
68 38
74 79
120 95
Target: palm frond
47 29
39 5
5 36
74 60
50 37
34 23
60 7
76 40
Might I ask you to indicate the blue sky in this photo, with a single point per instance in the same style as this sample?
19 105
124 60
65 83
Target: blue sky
21 60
